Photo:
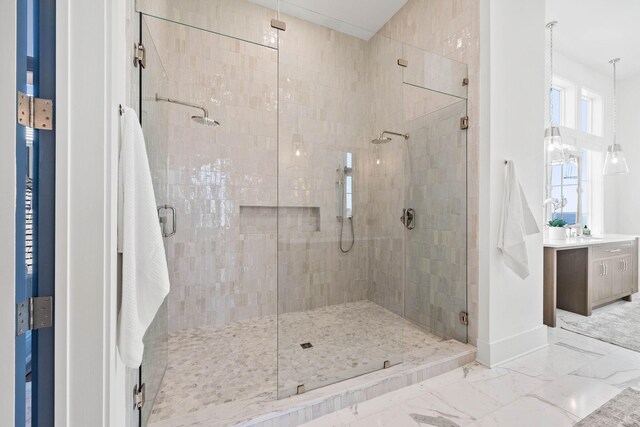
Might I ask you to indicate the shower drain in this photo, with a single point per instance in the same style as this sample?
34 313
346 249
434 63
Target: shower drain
306 345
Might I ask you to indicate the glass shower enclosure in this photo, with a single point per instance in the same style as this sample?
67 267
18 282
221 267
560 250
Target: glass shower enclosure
293 261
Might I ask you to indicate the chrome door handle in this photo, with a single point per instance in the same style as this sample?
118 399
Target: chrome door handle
163 220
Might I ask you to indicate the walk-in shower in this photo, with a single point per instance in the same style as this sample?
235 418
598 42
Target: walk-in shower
290 270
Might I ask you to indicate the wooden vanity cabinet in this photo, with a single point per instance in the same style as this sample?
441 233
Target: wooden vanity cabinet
612 272
581 277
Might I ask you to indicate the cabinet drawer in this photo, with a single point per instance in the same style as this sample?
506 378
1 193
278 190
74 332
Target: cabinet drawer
613 250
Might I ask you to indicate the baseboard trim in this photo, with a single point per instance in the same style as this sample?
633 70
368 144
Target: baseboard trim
506 349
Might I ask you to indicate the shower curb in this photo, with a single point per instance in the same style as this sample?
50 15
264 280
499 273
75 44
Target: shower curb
352 394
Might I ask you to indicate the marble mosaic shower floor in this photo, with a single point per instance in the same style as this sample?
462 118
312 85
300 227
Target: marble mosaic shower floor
212 366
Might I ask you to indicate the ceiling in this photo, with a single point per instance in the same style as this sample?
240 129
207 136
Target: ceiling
359 18
594 31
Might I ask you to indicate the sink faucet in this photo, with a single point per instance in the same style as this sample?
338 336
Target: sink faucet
574 230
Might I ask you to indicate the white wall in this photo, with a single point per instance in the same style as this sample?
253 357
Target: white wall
7 213
90 84
512 127
626 204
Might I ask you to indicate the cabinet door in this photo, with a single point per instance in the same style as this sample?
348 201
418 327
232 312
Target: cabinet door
617 275
597 280
627 275
609 269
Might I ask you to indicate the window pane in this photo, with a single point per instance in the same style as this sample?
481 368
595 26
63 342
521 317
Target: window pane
556 175
570 174
556 96
585 125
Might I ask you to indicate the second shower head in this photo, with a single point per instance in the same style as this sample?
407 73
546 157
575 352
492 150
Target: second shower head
383 140
201 120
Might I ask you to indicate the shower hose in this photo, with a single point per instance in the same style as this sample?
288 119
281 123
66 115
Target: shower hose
353 236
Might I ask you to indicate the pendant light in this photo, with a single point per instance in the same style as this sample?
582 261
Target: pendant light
616 163
552 139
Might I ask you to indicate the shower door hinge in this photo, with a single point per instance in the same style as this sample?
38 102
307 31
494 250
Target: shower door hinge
464 318
36 113
138 396
464 122
34 313
279 25
139 55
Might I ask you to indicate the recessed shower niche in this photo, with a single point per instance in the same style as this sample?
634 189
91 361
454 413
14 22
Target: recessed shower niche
289 218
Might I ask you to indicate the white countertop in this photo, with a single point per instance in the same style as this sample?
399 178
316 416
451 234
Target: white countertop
575 242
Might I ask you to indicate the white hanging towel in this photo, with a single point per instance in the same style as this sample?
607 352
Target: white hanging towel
516 223
145 277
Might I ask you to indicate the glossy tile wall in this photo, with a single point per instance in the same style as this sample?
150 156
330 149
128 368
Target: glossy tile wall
323 94
218 274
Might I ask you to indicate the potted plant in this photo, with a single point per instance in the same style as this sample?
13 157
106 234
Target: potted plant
557 230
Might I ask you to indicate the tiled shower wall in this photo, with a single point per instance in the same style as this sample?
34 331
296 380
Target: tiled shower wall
329 105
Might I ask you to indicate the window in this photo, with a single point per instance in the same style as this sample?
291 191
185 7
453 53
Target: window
566 188
575 191
557 96
591 112
563 95
586 114
349 186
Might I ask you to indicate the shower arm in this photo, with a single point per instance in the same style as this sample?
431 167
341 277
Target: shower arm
186 104
386 132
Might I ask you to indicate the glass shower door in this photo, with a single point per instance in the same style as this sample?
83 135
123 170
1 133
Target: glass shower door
436 194
155 125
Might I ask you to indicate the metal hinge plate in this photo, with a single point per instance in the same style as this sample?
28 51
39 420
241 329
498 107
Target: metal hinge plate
36 113
464 317
464 122
279 25
34 313
139 55
138 396
403 62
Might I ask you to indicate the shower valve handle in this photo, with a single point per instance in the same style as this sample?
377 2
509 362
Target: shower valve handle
407 218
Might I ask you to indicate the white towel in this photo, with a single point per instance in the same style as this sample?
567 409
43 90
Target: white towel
516 223
145 277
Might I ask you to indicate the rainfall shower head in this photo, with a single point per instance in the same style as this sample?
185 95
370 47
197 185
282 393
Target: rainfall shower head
205 121
383 140
201 120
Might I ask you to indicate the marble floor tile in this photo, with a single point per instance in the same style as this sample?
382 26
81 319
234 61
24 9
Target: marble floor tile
466 399
554 386
553 361
577 395
528 411
618 369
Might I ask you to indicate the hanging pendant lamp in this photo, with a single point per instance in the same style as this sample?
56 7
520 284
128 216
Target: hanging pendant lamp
552 138
616 162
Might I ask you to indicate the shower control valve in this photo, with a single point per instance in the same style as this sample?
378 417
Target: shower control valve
408 218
